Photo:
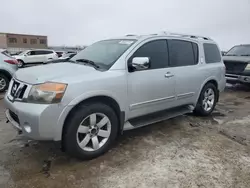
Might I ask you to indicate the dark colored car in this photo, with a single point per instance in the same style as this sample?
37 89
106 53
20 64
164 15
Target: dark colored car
237 62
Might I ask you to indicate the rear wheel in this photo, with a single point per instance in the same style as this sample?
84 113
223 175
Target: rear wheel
90 131
20 63
207 100
4 83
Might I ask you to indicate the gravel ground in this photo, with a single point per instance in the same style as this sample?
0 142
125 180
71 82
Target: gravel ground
187 151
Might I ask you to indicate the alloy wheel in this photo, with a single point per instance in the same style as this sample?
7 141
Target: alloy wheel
93 132
209 99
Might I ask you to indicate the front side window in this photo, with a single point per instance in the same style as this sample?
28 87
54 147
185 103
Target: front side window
104 53
156 51
32 53
212 53
182 53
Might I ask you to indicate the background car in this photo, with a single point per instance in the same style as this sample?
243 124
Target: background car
63 59
237 62
35 56
8 66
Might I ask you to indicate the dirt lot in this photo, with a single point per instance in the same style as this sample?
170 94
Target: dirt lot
186 151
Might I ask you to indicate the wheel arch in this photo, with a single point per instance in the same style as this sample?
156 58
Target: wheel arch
6 73
210 80
102 99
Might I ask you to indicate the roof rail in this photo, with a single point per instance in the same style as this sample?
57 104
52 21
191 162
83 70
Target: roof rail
130 35
186 35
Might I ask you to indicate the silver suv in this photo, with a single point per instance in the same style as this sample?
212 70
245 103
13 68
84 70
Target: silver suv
115 85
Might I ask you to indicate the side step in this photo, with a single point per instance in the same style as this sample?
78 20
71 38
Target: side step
157 117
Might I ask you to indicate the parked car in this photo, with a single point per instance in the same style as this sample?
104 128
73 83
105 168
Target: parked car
62 59
67 56
8 66
35 57
116 85
60 53
237 62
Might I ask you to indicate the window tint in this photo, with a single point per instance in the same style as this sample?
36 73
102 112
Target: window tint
157 51
182 53
32 53
212 53
196 52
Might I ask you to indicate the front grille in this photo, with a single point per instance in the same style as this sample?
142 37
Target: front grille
234 67
18 89
14 116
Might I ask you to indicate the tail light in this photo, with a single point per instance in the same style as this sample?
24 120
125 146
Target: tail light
11 61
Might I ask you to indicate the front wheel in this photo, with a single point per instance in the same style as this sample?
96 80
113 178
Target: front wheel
207 100
4 83
90 131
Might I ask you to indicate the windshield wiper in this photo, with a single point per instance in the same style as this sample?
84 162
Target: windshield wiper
88 62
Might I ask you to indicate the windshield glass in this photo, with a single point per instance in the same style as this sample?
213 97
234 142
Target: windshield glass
104 53
24 52
239 51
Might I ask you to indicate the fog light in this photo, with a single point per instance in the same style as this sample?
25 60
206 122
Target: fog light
27 128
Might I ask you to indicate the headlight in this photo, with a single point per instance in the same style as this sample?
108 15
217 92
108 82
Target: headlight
47 93
247 67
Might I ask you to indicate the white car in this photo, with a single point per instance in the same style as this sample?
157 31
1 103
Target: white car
35 56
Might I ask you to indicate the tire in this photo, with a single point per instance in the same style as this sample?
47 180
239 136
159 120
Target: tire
72 139
4 83
20 63
203 109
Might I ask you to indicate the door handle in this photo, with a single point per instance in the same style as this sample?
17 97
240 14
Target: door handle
168 75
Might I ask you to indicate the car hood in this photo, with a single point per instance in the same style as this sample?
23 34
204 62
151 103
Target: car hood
243 59
53 72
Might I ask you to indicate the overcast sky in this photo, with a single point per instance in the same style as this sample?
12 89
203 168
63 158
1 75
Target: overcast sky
80 22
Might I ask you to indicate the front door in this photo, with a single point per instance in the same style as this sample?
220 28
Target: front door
153 89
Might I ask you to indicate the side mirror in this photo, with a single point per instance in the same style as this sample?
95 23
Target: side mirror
140 63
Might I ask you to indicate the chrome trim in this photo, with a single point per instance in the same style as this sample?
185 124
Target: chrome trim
11 120
185 95
21 84
137 105
240 78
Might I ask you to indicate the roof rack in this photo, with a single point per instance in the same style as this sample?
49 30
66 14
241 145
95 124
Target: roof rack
186 35
130 35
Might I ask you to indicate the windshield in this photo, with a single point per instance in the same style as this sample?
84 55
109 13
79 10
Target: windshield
239 51
24 52
104 53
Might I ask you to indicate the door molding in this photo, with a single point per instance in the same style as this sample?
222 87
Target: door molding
140 104
185 95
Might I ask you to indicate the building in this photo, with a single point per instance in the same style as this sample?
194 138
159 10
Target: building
19 42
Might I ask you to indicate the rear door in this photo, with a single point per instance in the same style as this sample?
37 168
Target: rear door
184 63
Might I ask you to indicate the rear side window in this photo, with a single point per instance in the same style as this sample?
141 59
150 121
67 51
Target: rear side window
157 51
212 53
182 53
48 52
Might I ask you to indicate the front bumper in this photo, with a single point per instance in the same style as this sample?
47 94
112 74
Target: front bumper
36 121
238 78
